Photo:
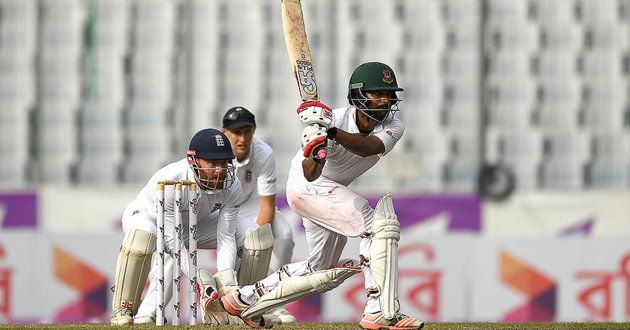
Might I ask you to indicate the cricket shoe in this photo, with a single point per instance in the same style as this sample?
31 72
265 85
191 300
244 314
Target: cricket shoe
122 316
234 305
377 321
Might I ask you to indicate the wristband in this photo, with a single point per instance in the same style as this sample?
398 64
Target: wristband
331 133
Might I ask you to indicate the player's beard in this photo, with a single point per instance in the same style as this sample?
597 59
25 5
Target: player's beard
215 184
379 111
214 178
377 115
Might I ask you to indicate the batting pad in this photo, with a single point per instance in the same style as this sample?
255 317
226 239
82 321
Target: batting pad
296 287
384 254
132 267
257 250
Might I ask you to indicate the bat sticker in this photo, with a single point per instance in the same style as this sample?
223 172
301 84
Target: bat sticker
306 77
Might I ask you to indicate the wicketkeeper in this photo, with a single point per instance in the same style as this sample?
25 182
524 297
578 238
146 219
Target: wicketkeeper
255 167
209 163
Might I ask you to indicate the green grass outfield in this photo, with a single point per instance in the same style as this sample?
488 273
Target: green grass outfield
345 326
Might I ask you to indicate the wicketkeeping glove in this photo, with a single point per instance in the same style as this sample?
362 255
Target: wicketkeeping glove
314 112
313 140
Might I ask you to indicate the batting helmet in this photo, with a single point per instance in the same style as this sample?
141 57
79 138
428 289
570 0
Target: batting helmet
211 145
373 76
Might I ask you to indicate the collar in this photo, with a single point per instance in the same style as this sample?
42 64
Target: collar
245 161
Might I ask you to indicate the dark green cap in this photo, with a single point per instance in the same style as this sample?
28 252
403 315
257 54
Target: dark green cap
373 76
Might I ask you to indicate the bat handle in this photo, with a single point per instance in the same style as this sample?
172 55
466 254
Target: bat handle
322 153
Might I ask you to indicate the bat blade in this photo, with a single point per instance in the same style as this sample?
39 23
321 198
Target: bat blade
299 52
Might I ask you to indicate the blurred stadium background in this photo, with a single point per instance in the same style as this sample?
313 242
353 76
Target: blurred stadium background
95 95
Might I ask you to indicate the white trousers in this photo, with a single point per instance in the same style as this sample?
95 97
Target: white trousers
282 242
330 212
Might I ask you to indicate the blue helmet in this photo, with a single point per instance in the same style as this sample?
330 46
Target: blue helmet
211 144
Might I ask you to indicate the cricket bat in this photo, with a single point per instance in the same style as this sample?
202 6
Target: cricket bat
300 54
298 49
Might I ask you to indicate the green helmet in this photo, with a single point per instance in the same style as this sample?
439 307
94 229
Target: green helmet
372 76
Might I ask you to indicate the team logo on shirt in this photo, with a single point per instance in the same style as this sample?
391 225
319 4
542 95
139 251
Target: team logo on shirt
387 77
219 140
248 176
217 206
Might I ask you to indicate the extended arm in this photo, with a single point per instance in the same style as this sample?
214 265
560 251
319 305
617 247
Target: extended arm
226 229
267 210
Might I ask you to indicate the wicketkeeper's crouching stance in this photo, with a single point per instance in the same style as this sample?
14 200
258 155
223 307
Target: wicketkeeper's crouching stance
208 163
255 256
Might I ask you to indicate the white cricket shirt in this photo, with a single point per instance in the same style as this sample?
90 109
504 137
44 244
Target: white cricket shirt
343 166
257 174
221 205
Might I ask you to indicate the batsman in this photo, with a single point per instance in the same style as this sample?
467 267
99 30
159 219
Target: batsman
355 138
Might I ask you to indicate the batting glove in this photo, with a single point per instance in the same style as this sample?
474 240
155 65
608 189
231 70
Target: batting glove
313 140
315 112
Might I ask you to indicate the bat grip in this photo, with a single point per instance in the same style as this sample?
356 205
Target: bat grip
322 153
